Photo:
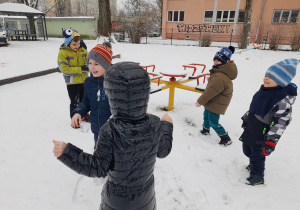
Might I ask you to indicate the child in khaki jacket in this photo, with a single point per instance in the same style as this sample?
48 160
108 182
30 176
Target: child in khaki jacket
218 93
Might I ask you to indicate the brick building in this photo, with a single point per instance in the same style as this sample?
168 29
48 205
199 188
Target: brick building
223 19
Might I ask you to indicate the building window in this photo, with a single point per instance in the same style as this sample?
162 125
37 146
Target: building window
175 16
219 16
285 16
226 16
208 15
241 16
231 16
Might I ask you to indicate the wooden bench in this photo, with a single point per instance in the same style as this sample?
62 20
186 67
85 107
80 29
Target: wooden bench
18 34
32 36
20 37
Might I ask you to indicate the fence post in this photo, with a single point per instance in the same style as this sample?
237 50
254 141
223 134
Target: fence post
231 37
171 36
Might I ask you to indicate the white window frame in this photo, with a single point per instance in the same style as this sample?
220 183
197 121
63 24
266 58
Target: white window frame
222 14
178 20
280 18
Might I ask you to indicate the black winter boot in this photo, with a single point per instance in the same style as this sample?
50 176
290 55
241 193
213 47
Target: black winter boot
225 140
255 180
205 131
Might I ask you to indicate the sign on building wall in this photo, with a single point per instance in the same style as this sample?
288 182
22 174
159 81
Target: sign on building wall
190 28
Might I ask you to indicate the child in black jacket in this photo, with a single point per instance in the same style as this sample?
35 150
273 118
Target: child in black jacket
269 115
128 143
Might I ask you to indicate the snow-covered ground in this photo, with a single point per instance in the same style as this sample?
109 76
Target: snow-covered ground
198 174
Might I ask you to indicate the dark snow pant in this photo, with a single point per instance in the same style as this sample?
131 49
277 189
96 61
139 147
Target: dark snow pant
257 159
211 119
96 140
75 94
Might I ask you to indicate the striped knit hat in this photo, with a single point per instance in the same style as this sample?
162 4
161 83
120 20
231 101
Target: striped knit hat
102 54
283 72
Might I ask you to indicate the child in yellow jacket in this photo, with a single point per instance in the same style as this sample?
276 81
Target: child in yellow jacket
72 63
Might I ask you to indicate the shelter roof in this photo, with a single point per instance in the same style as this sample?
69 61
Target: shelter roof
18 9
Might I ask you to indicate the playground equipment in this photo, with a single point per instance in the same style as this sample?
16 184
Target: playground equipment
177 80
254 47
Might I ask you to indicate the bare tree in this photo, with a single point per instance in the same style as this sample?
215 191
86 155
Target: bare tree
84 8
160 13
104 21
247 25
43 5
113 8
276 35
295 40
262 32
33 4
136 18
63 8
80 8
205 40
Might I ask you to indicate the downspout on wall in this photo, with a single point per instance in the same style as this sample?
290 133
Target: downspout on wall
214 16
236 16
164 20
261 14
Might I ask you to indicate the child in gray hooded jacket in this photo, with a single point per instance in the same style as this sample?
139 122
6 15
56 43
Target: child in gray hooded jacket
269 114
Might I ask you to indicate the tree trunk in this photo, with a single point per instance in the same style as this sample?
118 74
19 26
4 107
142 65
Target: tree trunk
31 24
104 21
247 25
63 8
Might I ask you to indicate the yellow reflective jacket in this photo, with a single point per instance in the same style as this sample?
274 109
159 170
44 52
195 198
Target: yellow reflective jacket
70 62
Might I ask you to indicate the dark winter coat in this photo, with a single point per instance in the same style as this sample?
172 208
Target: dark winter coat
259 129
219 89
128 143
96 101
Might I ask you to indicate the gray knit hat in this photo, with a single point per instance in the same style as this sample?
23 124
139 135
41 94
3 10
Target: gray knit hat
102 54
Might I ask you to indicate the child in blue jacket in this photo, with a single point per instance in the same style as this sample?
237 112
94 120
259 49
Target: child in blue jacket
269 114
94 99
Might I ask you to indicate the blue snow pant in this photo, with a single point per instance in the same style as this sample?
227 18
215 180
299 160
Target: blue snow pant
211 119
257 159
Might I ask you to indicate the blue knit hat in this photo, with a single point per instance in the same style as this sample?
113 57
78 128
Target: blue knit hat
283 72
69 34
224 55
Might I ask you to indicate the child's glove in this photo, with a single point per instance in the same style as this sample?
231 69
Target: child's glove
268 148
84 68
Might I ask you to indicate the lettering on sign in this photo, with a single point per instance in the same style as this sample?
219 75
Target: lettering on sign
191 28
